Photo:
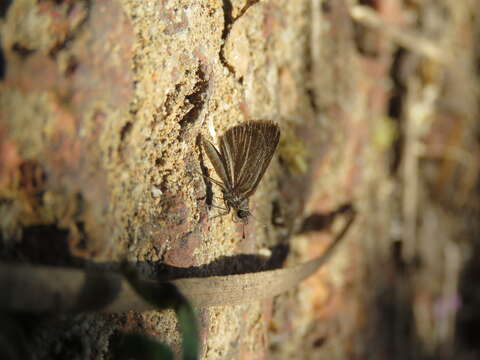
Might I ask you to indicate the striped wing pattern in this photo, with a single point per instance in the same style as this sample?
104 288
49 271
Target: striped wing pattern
217 162
246 151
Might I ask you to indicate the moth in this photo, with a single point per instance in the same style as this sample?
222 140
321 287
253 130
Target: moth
245 152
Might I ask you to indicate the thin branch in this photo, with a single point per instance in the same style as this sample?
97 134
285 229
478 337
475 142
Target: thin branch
42 289
405 37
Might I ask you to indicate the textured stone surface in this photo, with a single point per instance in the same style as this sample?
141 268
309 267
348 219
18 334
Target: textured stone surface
114 96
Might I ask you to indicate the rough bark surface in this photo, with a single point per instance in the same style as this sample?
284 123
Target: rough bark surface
101 107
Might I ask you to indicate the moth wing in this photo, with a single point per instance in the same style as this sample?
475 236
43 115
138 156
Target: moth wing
217 162
247 150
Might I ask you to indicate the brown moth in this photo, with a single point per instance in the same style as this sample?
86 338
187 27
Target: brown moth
245 152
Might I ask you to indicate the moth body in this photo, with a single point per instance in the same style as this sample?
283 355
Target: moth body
239 205
245 152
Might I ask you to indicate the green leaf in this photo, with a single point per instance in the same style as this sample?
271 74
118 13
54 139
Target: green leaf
189 331
163 295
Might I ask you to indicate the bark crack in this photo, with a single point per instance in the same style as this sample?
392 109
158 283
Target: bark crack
228 23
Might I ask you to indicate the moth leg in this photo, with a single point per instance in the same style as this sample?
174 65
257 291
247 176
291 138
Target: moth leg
226 211
216 182
221 208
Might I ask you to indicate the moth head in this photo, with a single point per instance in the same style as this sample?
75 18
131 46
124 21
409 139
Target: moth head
241 212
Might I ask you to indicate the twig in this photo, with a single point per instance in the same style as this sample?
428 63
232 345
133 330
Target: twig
54 290
405 37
